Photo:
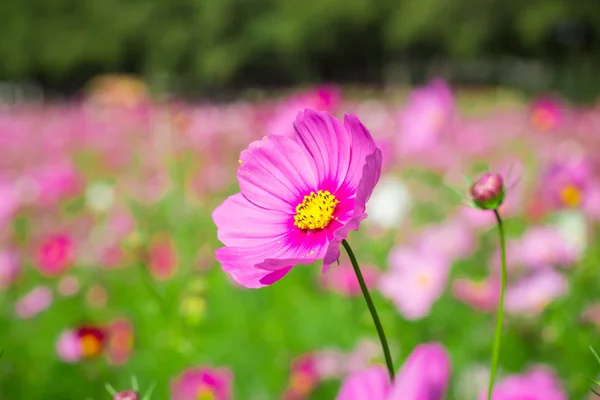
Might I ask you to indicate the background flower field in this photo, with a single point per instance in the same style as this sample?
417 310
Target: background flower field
107 243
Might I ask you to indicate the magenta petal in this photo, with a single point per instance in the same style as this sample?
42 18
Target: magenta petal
371 174
275 276
370 384
370 177
326 142
274 173
424 375
362 146
241 223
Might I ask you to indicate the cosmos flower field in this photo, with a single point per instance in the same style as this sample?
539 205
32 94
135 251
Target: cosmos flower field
121 250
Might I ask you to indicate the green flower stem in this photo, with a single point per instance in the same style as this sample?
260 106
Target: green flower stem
149 283
378 326
500 312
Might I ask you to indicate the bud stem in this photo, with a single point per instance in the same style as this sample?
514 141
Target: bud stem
500 312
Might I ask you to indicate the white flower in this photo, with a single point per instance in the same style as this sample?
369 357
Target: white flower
99 196
389 204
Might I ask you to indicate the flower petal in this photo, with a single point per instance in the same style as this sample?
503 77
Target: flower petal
362 145
370 384
242 223
327 143
424 375
275 173
371 174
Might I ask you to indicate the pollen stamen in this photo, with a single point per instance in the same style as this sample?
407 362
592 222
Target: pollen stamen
316 210
571 196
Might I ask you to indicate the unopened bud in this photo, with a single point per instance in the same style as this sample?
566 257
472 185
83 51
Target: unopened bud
127 395
488 192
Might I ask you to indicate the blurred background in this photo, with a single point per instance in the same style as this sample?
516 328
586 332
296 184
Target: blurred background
121 124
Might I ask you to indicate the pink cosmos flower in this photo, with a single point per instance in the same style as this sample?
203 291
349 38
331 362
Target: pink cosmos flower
333 363
539 383
481 295
55 254
162 257
120 341
531 295
325 98
9 202
565 182
34 302
424 376
86 341
299 198
453 239
543 246
546 114
342 279
421 121
10 267
55 182
415 280
202 383
68 285
304 378
68 347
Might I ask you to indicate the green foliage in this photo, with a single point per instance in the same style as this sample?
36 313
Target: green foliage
211 43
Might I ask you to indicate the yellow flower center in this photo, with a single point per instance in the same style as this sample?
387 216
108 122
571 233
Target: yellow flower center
316 210
90 345
205 394
571 196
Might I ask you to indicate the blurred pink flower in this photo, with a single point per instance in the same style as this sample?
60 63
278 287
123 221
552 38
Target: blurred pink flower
482 295
566 181
55 182
546 114
68 347
452 239
336 364
530 295
96 296
304 378
423 376
324 98
202 383
424 116
414 281
342 279
68 285
162 257
55 254
120 341
34 302
87 341
9 202
543 246
10 267
539 383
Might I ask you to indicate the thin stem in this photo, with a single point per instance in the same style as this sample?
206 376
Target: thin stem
149 282
378 326
500 312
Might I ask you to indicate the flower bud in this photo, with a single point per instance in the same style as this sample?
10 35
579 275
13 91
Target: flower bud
488 192
127 395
